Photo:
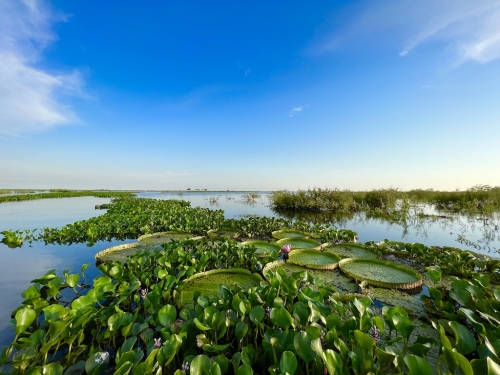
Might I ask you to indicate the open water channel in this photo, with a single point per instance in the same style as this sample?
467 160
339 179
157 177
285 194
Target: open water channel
19 266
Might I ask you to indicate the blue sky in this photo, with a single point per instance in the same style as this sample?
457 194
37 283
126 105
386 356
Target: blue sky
252 95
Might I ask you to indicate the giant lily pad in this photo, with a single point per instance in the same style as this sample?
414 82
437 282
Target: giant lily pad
340 282
290 233
208 283
314 259
300 243
381 273
162 237
120 253
223 232
263 248
352 251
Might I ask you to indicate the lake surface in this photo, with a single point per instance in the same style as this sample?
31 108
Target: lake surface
19 266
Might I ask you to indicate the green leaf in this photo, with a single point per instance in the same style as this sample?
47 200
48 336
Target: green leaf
435 274
302 343
201 325
257 314
200 365
97 362
244 370
167 315
465 341
240 330
365 341
417 365
24 318
493 367
53 369
288 363
281 317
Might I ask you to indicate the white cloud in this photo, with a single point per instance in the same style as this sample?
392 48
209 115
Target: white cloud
30 96
295 111
470 30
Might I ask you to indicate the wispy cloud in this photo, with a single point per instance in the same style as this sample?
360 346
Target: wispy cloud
30 97
295 111
470 30
247 72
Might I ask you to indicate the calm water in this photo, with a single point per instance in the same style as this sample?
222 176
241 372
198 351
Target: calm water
19 266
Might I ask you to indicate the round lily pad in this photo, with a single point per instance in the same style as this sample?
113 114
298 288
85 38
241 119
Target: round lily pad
299 243
162 237
314 259
120 253
208 283
352 251
381 273
290 233
223 232
263 248
339 281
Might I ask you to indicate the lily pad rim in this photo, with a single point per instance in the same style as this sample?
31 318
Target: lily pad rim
276 232
383 284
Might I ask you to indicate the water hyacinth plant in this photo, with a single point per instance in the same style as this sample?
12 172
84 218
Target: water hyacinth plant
132 318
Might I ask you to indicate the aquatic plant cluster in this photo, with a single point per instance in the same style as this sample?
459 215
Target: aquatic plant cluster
129 218
133 319
480 198
213 305
60 193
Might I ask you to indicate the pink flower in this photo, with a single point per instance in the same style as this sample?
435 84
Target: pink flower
286 248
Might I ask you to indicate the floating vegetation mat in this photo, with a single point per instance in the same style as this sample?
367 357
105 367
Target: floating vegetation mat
393 297
300 243
333 278
224 232
263 247
381 273
352 251
290 233
208 283
162 237
314 259
121 252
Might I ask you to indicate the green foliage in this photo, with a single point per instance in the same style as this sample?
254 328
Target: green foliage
66 194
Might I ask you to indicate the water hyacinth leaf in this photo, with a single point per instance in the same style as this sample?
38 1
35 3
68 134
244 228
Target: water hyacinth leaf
364 341
463 363
223 363
24 318
301 311
493 367
462 296
123 368
244 370
240 330
434 273
288 363
333 362
77 368
97 362
256 314
464 339
302 343
167 315
417 365
215 370
72 280
201 325
200 365
281 317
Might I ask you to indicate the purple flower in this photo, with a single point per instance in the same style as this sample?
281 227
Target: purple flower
185 367
375 333
144 293
157 343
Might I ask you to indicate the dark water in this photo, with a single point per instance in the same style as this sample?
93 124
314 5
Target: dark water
19 266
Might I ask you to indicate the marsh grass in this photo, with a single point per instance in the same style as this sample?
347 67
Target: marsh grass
480 198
